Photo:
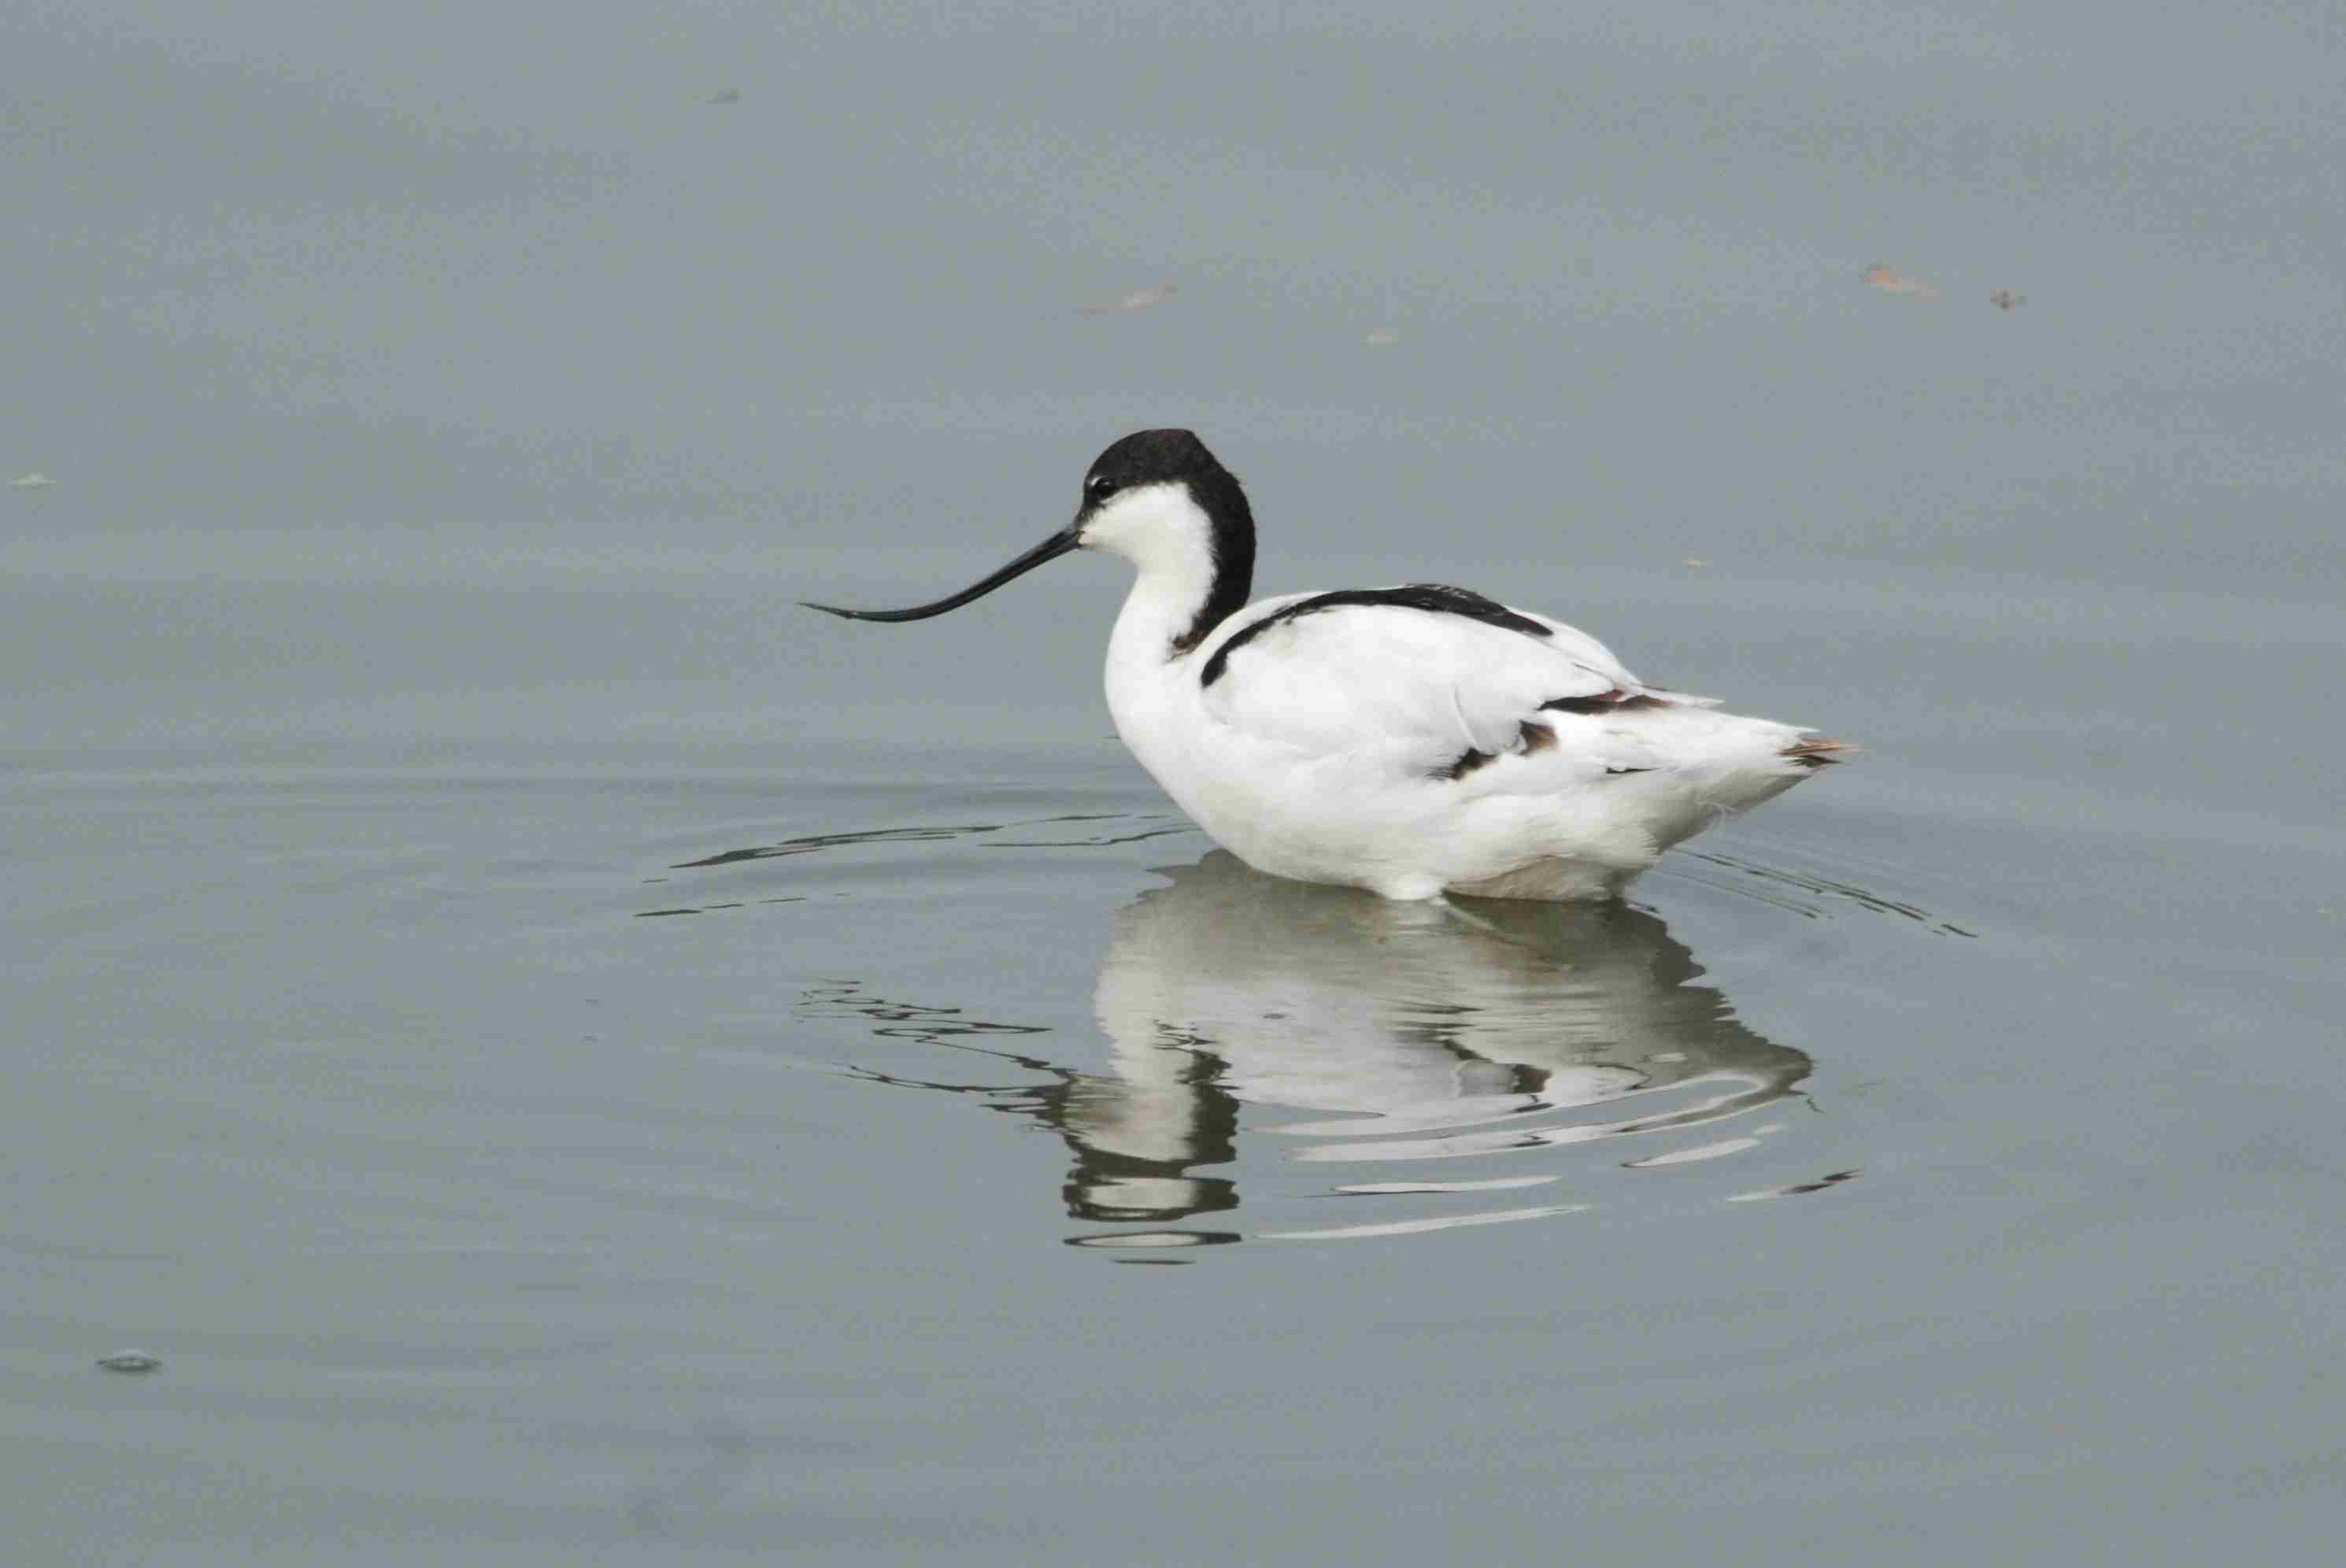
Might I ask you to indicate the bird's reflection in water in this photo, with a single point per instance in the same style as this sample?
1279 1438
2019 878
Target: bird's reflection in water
1420 1034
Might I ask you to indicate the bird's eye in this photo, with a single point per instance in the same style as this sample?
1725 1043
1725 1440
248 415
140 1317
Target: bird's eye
1098 487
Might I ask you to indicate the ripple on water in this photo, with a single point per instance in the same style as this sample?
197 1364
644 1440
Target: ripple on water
1072 831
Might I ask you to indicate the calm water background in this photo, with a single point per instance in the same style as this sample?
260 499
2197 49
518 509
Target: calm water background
567 1058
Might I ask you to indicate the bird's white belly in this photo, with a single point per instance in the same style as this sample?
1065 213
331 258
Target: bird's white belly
1359 819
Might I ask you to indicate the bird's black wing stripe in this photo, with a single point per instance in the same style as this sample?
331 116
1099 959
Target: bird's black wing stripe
1614 701
1437 597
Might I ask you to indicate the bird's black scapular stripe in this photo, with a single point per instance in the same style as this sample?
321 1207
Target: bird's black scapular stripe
1438 597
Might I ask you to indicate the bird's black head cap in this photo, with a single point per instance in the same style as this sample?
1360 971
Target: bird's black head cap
1148 457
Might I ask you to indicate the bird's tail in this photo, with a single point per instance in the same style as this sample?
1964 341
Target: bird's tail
1816 750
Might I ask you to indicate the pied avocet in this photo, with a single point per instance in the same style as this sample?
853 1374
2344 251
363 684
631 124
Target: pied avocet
1411 740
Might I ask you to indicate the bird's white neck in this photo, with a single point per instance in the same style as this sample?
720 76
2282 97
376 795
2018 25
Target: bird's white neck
1151 681
1177 590
1188 577
1149 632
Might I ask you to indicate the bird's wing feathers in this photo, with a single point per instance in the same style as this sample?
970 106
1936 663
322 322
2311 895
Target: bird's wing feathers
1424 685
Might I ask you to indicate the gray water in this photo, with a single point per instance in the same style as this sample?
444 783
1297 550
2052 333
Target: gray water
563 1056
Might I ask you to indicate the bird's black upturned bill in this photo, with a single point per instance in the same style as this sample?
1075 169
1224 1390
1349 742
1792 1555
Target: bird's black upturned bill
1057 544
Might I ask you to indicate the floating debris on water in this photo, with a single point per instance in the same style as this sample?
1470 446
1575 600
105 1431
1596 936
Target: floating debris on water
32 482
2005 299
1890 280
728 95
131 1361
1138 299
1382 338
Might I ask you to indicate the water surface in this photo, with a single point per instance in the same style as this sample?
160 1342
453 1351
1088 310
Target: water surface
562 1056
